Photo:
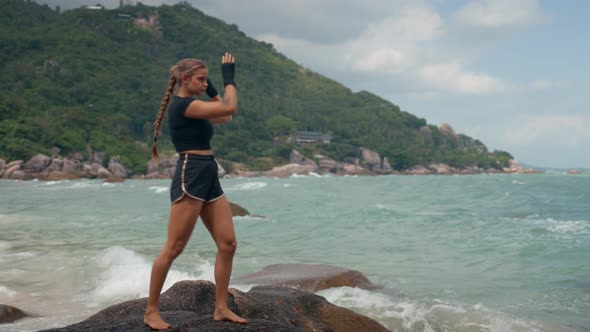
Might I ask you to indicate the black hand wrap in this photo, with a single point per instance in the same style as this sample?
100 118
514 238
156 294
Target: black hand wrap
227 71
211 91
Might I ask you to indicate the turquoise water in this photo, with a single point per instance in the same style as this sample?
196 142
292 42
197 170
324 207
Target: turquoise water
453 253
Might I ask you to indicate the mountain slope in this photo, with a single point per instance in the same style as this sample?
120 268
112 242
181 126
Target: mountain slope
97 77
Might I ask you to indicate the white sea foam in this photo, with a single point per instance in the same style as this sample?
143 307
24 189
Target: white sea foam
286 185
248 186
83 185
6 292
108 184
568 227
4 245
159 190
252 219
436 315
10 218
518 182
126 275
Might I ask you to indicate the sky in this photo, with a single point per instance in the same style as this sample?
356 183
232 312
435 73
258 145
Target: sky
513 74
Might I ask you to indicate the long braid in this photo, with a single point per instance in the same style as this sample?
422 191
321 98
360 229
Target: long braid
163 108
185 66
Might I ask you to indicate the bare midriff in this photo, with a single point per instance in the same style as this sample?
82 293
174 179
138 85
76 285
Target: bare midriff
199 152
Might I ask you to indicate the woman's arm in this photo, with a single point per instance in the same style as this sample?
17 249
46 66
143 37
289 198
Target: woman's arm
218 107
223 119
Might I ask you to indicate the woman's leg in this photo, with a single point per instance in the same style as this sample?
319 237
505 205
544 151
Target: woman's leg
183 216
216 216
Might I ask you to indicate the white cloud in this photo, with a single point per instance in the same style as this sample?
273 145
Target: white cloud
564 130
496 14
453 78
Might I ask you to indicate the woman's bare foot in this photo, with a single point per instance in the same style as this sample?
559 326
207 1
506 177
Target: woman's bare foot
152 319
226 314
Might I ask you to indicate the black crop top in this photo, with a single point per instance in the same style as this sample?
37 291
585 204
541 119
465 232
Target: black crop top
187 133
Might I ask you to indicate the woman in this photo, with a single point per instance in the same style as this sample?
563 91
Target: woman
195 190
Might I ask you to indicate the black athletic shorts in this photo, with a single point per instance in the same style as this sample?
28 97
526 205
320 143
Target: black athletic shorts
196 176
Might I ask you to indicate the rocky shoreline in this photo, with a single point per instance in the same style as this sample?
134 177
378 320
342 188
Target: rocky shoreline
277 303
76 166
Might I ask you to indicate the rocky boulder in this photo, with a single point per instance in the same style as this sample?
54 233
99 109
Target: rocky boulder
116 168
352 169
59 176
327 165
288 170
189 305
10 314
515 167
114 179
298 158
10 169
237 210
309 277
441 168
370 159
37 163
418 170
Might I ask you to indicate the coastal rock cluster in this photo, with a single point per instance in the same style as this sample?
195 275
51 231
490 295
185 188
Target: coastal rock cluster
76 166
72 167
188 305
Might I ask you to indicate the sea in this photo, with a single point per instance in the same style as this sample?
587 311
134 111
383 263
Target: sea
449 253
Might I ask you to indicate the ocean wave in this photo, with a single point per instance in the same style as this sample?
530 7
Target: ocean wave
159 190
252 219
518 182
10 218
562 227
436 315
5 291
568 227
4 245
248 186
126 275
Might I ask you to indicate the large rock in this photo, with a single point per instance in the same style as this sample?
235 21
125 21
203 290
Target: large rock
10 314
189 305
59 175
10 170
309 277
441 168
237 210
2 164
71 166
18 163
328 165
418 170
55 165
288 170
370 159
352 169
114 179
515 167
298 158
116 168
37 163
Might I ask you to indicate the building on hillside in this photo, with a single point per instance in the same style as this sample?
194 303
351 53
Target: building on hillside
97 7
310 137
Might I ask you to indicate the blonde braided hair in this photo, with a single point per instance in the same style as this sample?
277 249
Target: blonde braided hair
184 66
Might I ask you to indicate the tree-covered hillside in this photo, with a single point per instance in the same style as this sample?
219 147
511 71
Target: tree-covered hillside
97 77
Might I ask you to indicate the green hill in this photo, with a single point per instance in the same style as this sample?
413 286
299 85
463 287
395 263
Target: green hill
97 77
